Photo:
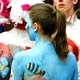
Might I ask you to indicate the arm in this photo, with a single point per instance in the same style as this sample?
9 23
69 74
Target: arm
75 74
79 63
16 68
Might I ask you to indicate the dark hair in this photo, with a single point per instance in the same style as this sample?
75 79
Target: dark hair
48 1
78 13
76 7
52 22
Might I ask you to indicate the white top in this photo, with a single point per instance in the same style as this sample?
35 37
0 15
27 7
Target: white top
73 31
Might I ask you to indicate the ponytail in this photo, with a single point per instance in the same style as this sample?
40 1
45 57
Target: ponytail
60 40
52 23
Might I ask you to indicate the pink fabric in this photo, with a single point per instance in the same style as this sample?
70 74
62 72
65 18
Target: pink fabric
5 12
25 7
4 51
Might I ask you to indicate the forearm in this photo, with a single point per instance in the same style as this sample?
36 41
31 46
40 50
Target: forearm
16 69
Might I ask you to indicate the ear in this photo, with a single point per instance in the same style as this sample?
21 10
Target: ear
75 2
35 26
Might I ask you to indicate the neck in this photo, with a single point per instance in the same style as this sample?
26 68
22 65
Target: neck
42 37
69 13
